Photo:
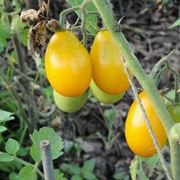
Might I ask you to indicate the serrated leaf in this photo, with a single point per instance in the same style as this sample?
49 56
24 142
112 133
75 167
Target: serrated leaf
27 173
2 129
5 116
58 175
54 139
89 166
176 23
5 157
134 168
91 20
12 146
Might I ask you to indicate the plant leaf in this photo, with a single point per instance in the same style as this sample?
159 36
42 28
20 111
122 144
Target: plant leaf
2 129
58 175
176 23
89 166
134 168
27 173
12 146
72 169
5 157
5 116
54 140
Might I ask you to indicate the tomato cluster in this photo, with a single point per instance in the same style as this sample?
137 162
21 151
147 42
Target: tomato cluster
71 70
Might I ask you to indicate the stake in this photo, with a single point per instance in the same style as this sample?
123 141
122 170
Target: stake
47 160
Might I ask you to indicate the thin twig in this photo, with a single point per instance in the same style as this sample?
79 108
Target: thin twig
161 62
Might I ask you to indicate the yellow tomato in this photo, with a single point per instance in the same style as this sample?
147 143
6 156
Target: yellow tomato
68 65
136 132
107 64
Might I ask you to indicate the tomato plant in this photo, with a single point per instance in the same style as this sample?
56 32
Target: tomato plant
104 97
136 131
67 64
70 104
107 64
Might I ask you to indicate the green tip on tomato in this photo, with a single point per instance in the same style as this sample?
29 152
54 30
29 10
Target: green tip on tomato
104 97
70 104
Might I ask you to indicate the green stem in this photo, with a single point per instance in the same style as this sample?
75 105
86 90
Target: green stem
174 140
146 81
25 163
63 14
161 62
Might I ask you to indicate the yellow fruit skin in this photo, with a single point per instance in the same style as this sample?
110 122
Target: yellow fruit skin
70 104
103 96
137 135
67 63
107 64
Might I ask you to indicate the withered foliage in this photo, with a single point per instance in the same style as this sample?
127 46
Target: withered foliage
38 22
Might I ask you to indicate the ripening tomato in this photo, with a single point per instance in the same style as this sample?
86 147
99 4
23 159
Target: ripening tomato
107 64
137 135
68 65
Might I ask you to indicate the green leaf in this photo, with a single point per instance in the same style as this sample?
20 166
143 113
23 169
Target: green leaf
110 114
5 157
54 140
91 20
76 177
58 175
4 34
176 23
16 24
72 169
23 36
134 168
5 116
2 129
152 161
27 173
89 166
13 176
121 175
12 146
89 176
